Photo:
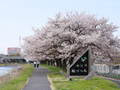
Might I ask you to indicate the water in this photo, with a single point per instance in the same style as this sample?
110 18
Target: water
6 69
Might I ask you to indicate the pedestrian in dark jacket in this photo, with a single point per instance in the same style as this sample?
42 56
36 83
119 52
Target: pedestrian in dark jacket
38 64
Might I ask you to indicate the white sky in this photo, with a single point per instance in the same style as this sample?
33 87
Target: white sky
17 17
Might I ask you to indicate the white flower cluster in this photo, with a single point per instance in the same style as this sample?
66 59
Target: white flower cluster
66 37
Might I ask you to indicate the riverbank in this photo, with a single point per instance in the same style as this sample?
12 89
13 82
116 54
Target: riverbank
8 73
19 81
9 64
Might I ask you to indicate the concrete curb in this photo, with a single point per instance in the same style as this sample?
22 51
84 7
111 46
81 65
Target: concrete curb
51 85
26 82
111 79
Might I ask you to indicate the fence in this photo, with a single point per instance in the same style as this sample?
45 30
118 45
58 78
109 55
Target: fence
108 71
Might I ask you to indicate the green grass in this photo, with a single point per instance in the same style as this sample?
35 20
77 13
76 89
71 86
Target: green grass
19 82
60 82
51 68
3 64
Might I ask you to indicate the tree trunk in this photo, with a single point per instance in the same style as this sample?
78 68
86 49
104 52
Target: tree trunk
60 63
51 62
64 67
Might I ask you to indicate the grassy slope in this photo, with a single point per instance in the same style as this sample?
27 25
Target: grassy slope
18 83
60 82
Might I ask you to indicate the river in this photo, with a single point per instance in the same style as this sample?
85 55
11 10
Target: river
6 69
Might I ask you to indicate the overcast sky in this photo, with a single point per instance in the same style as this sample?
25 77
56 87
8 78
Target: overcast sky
17 17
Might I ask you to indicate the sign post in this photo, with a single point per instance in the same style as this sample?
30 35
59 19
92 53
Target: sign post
81 67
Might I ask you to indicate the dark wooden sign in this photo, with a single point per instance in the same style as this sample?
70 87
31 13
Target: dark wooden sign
81 66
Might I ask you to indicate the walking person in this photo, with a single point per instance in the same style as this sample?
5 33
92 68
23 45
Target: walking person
35 64
38 64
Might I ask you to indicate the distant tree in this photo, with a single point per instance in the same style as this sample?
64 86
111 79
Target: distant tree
64 39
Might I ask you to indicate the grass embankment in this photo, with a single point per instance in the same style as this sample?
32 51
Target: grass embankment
8 64
60 82
19 82
5 64
1 65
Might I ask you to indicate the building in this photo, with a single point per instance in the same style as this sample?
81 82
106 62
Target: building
13 51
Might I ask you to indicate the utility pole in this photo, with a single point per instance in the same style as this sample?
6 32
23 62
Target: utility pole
20 44
19 41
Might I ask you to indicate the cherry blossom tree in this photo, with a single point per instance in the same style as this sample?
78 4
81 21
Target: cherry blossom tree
65 38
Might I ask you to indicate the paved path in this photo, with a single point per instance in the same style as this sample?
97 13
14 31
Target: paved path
113 80
38 80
